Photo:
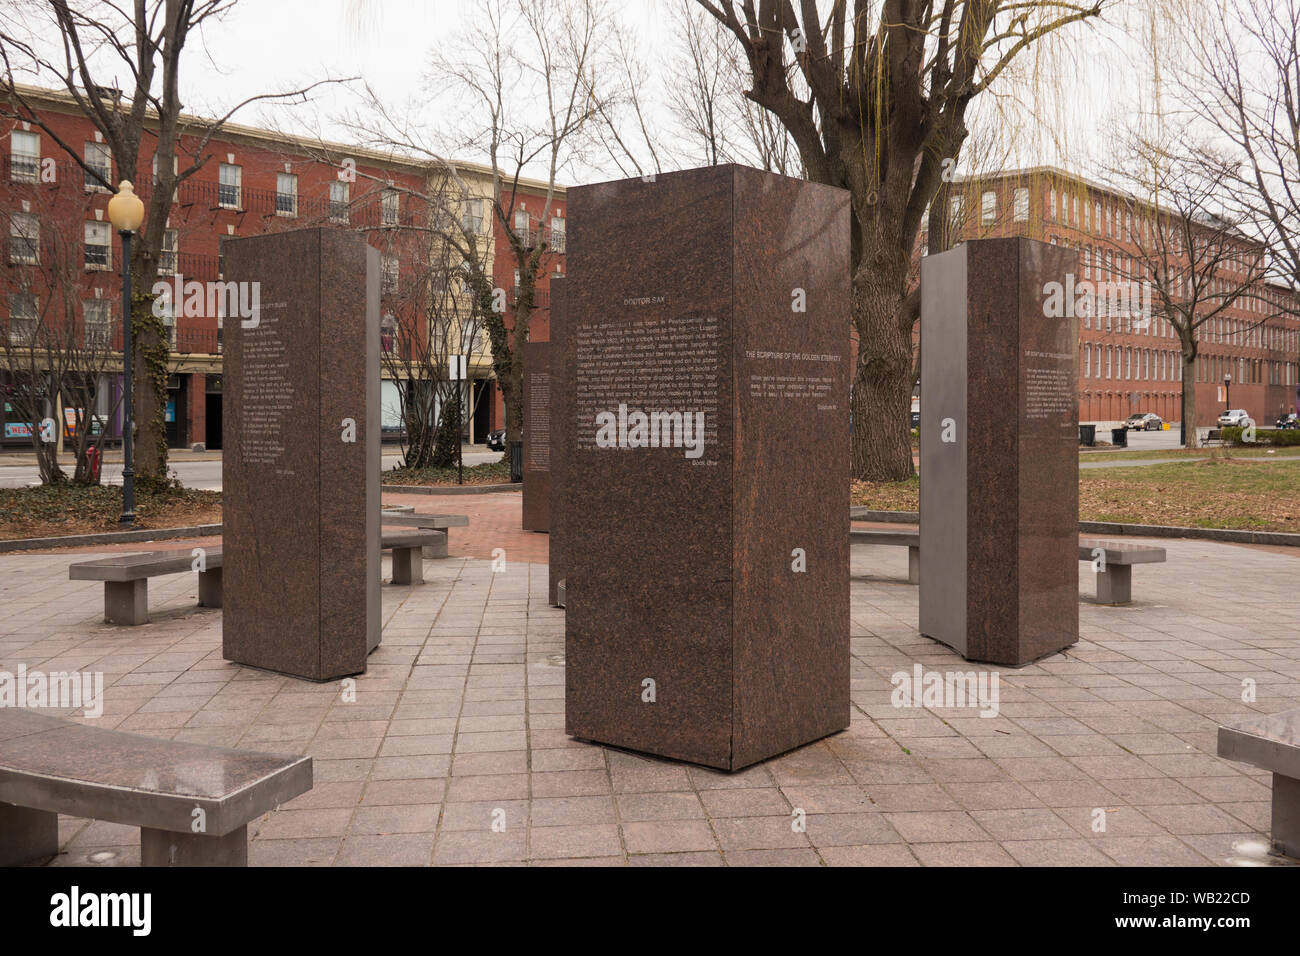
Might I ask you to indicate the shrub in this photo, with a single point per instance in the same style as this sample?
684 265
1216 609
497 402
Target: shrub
1277 437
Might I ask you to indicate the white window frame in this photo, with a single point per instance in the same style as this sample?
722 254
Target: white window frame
24 165
98 228
224 174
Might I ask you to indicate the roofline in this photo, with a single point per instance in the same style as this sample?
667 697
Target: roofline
63 101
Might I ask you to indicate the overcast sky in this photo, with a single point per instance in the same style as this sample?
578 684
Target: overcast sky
271 45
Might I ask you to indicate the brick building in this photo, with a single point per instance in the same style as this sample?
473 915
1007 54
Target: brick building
1126 364
61 249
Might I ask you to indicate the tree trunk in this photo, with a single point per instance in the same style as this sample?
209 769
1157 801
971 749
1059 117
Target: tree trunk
151 355
512 384
1189 400
882 385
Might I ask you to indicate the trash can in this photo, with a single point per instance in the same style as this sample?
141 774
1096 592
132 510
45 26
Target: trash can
1088 435
516 461
1119 437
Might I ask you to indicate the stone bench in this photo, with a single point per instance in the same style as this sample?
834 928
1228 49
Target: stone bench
126 579
1272 742
192 802
408 549
1115 570
427 522
1114 575
910 539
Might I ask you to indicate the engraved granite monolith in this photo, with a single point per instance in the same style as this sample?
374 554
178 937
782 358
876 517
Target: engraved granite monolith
999 453
537 436
300 469
706 499
561 419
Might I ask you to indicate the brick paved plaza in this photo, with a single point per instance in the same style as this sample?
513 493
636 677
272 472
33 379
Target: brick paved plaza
458 723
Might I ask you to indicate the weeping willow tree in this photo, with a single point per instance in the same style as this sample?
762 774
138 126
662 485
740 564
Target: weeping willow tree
876 96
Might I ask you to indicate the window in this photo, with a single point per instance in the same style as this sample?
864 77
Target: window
99 248
1021 204
557 233
338 202
286 194
388 206
167 260
521 225
24 156
166 311
24 238
957 209
1051 205
230 179
389 274
97 316
221 256
471 220
99 168
988 207
22 319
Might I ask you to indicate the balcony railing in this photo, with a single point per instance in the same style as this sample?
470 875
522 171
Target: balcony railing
197 341
541 298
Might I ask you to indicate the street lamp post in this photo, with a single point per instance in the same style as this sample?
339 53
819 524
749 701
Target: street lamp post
1227 391
126 212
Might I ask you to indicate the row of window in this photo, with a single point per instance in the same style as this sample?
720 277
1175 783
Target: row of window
25 243
1160 365
97 321
1130 363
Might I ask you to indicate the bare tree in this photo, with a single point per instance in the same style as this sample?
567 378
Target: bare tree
707 98
521 74
1242 77
96 39
875 97
61 339
1198 259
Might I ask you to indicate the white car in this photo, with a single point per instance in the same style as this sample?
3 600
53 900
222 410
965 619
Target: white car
1233 418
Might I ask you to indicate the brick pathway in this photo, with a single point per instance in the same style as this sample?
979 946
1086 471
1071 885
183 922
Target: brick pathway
458 725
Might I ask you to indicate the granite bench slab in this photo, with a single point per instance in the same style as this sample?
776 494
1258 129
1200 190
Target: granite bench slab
437 547
126 579
910 539
192 802
1272 742
1115 559
1114 562
409 548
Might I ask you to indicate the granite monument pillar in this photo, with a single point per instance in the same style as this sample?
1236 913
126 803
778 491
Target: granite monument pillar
999 450
537 436
706 503
561 419
300 467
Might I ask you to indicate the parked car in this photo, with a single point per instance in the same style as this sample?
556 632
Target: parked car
1289 421
1233 418
496 441
1144 422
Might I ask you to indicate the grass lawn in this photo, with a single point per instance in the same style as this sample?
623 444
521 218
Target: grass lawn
1215 452
490 473
49 511
1222 492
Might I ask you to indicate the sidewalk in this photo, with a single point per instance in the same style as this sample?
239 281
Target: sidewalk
458 727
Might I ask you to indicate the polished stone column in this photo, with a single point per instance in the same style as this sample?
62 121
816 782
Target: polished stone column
999 569
300 469
705 506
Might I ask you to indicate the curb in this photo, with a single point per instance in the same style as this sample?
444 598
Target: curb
109 537
1230 535
450 489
